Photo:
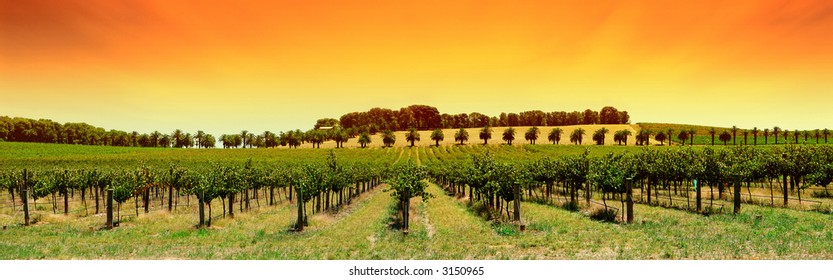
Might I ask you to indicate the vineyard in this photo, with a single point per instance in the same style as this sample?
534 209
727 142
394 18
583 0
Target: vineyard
462 202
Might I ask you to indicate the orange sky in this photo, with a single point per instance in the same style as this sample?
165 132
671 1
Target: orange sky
278 65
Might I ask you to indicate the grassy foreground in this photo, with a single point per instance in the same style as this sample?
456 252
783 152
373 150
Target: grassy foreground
442 228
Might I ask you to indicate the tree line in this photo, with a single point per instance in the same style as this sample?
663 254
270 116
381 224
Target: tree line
423 117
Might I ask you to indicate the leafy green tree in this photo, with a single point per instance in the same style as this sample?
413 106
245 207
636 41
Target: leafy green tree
755 132
408 181
199 137
340 136
462 135
413 135
437 136
644 137
555 135
244 136
509 135
776 131
364 139
825 133
734 135
154 138
388 138
621 136
661 137
486 134
577 136
725 137
208 141
599 135
683 136
531 134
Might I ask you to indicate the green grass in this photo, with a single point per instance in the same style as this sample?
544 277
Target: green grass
443 227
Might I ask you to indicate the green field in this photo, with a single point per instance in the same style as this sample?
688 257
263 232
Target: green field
444 227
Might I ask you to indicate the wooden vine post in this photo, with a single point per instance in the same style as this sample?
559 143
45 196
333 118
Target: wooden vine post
737 194
171 191
201 202
66 192
517 214
109 208
24 194
406 205
299 226
629 199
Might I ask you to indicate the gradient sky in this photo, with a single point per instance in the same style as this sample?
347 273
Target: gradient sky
223 66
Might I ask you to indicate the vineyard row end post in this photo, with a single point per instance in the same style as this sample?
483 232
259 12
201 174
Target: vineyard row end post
109 208
24 194
737 194
629 199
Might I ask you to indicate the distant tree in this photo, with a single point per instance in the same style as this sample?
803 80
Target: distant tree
669 135
621 137
745 137
513 119
660 136
817 135
609 115
134 139
725 136
237 140
766 136
806 136
154 138
364 139
486 134
825 133
755 132
683 136
734 135
340 136
590 117
437 136
531 134
509 135
250 140
243 137
413 135
644 137
176 137
199 137
388 138
776 131
165 141
599 136
208 141
577 136
462 135
712 132
691 133
227 141
555 135
796 133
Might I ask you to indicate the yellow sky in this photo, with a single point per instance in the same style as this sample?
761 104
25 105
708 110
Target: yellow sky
278 65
